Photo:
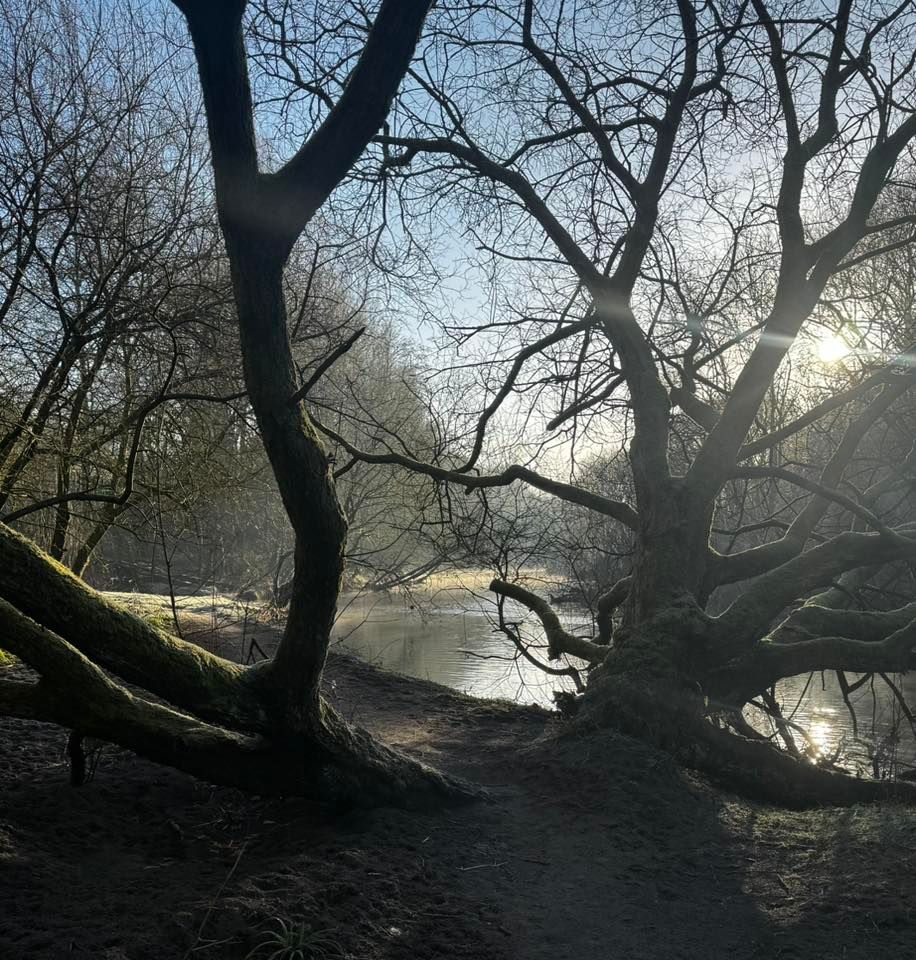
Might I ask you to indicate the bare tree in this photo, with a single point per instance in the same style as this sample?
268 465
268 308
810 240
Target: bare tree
110 260
667 196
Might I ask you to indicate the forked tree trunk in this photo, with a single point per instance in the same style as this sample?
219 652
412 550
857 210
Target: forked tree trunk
669 657
266 728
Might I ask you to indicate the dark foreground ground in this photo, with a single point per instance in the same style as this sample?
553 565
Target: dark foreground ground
601 849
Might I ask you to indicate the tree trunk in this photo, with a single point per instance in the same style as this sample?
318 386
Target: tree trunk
265 728
223 723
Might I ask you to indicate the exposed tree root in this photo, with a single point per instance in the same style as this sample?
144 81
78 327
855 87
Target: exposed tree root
762 771
363 771
675 720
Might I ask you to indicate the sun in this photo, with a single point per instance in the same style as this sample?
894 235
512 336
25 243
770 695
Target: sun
831 348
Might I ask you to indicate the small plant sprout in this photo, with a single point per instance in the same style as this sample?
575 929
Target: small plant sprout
288 940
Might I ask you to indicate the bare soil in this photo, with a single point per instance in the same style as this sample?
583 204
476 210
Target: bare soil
597 848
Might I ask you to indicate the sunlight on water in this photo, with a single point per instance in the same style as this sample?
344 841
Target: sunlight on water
822 734
445 635
879 741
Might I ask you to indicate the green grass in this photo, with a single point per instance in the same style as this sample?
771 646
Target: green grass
294 941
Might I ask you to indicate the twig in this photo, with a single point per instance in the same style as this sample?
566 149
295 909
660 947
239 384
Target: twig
212 906
324 366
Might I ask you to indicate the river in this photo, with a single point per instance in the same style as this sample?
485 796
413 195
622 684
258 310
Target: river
446 634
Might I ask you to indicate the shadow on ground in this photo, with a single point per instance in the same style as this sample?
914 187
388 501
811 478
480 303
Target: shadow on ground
597 848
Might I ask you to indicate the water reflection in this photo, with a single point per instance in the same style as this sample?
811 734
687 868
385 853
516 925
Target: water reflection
821 733
878 739
446 635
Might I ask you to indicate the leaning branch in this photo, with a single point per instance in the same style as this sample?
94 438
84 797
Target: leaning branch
813 620
770 662
774 591
558 640
134 650
84 698
324 366
617 509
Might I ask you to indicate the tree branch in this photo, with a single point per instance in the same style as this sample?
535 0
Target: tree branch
306 181
812 486
558 640
771 661
129 647
324 366
771 593
617 509
80 695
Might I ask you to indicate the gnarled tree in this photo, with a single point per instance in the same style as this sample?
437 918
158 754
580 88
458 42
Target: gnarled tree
668 196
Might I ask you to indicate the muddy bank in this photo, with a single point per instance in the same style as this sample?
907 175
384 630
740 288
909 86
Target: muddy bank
597 849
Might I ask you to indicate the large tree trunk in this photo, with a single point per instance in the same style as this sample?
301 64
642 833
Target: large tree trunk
679 678
660 683
220 721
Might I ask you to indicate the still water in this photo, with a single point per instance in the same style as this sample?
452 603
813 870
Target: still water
448 635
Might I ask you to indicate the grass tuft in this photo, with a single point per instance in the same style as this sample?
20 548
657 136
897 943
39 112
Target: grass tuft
295 941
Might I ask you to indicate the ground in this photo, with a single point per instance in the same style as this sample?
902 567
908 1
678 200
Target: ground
597 848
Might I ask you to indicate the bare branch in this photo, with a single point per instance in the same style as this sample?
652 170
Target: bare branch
558 640
799 576
325 365
564 491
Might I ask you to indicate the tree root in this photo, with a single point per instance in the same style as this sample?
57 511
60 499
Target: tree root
762 771
675 720
362 771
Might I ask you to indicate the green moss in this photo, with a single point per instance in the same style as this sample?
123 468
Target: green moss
7 660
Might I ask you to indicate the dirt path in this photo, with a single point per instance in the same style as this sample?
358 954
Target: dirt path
589 850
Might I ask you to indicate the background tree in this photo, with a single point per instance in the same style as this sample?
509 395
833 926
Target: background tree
113 293
124 405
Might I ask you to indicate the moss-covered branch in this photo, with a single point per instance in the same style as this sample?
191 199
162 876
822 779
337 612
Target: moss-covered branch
814 620
751 614
110 635
769 662
76 693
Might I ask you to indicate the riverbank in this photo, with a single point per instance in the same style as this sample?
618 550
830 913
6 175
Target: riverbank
442 630
591 849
